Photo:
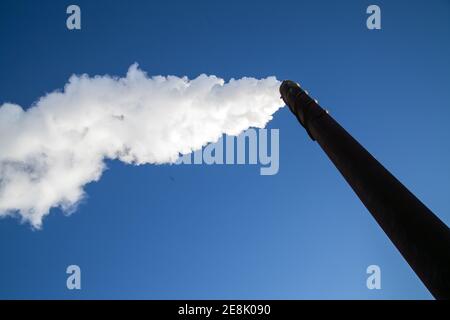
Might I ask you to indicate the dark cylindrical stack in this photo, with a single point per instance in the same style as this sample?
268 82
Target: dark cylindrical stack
420 236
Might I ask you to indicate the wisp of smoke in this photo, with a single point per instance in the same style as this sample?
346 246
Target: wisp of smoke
49 152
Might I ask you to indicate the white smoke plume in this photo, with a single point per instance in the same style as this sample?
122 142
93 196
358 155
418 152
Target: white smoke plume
58 145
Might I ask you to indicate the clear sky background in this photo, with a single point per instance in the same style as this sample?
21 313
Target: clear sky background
226 231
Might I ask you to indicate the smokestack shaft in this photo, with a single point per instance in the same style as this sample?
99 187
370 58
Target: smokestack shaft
420 236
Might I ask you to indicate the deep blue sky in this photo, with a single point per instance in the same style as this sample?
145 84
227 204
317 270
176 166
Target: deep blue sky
225 231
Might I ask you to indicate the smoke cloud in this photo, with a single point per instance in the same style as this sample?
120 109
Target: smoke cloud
58 145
